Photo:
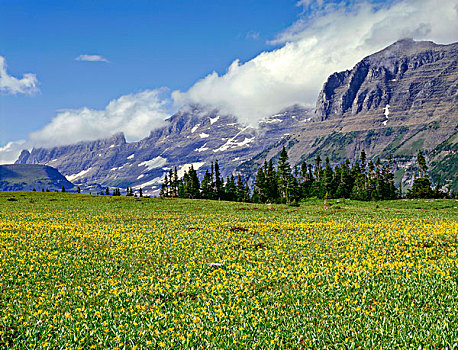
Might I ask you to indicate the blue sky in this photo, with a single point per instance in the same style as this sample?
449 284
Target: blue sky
250 58
149 44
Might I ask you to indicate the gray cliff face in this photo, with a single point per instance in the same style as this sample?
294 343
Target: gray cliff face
194 135
394 102
409 76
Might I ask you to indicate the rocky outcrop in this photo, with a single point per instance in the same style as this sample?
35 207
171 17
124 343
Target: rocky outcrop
410 77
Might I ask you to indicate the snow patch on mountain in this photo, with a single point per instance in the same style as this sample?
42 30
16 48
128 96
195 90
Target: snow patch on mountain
386 112
155 181
73 177
203 135
202 149
185 168
232 143
214 120
157 162
131 156
273 121
194 128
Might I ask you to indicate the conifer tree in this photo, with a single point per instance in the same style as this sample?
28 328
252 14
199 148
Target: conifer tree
206 186
191 184
260 193
421 161
219 190
241 193
317 167
284 176
230 189
271 183
362 158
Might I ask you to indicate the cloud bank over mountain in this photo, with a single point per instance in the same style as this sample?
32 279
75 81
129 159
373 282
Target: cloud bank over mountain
135 115
333 37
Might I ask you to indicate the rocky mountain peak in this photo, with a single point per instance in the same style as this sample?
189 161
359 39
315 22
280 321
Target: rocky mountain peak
403 76
195 134
393 103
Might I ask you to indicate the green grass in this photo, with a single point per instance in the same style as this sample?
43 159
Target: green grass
80 271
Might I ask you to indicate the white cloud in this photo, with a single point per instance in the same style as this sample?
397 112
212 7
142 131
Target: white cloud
335 38
91 58
11 85
135 115
10 152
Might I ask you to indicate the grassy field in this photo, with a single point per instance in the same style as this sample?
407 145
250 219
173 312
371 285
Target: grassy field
80 271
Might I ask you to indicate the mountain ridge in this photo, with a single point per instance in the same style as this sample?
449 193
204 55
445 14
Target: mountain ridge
195 135
387 104
395 102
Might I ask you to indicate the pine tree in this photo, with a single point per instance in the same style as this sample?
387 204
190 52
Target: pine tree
272 194
260 193
140 192
421 187
246 193
230 189
437 191
206 186
284 176
191 184
240 189
317 167
362 158
421 164
328 178
219 190
78 189
63 189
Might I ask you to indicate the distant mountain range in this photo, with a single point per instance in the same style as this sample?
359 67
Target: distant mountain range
194 136
26 177
394 102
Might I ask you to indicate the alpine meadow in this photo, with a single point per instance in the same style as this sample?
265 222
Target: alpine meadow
229 174
80 271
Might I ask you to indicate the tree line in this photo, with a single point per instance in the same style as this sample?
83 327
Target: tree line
361 180
212 185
